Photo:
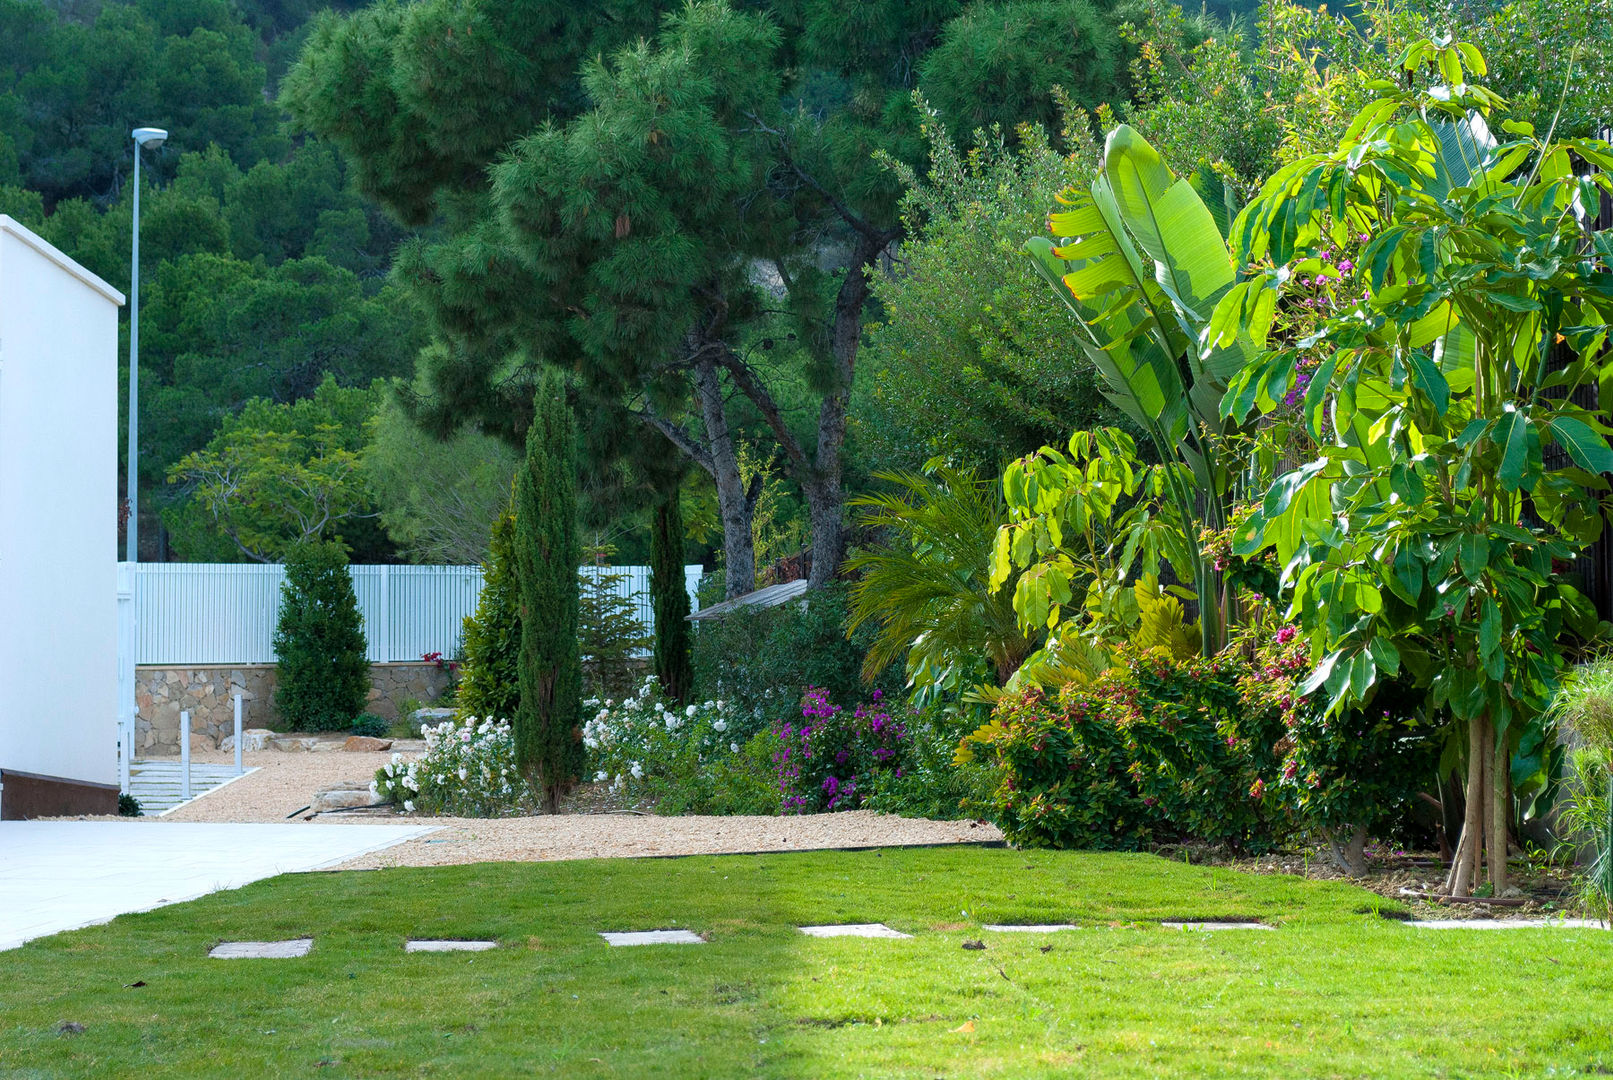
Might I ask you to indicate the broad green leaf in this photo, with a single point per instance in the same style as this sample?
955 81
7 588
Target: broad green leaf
1426 376
1584 446
1511 434
1489 627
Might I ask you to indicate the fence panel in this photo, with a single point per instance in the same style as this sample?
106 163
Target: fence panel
224 613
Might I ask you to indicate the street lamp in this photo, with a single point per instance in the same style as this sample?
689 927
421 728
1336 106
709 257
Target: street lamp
143 137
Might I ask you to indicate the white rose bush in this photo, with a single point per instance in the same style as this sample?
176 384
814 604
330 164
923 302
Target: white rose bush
468 770
681 759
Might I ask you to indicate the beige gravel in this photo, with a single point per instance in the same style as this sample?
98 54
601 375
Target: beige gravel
607 836
283 784
287 782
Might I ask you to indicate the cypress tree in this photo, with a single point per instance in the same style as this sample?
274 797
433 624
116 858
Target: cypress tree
548 736
670 598
323 676
490 687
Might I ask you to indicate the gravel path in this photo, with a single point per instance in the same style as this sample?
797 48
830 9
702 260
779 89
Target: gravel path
287 782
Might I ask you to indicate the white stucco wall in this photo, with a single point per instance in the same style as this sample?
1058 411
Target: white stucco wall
58 512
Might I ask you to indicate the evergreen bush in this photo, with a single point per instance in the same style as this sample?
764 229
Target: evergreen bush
610 635
489 683
548 738
323 676
669 596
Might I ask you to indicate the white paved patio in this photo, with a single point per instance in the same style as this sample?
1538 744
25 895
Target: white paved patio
61 875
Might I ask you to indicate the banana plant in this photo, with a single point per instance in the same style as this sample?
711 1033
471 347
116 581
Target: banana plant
1422 538
1141 261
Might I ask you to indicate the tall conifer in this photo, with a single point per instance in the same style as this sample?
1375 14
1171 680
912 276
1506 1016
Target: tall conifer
548 741
669 596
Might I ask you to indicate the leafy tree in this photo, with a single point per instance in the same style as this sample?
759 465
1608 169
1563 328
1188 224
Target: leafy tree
967 362
489 684
548 741
438 499
322 679
669 598
1421 538
278 477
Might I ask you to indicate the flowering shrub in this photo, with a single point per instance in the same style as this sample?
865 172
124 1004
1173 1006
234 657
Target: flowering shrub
468 771
1156 749
692 759
830 759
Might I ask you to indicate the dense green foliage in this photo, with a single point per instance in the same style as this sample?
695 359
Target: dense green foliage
489 684
548 739
322 679
669 597
610 637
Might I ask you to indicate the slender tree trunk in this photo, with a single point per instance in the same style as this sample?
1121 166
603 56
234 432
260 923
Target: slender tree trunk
1500 792
739 551
1465 869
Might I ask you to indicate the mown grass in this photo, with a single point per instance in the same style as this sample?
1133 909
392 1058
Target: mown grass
1337 991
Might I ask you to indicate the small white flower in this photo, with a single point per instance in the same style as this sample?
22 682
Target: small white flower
637 770
690 711
600 775
462 772
734 747
408 806
720 726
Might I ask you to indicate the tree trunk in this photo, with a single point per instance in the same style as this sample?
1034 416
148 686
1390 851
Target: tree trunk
739 551
1465 869
1500 810
1351 855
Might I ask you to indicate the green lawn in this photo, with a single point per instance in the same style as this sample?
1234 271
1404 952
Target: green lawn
1336 990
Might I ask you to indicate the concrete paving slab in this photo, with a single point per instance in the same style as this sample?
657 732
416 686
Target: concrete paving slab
872 929
1028 928
1216 926
261 950
653 937
448 945
62 875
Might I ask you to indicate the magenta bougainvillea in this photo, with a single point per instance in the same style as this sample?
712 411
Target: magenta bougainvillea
828 759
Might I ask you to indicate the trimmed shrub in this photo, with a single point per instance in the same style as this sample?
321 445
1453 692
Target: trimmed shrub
371 725
489 684
323 678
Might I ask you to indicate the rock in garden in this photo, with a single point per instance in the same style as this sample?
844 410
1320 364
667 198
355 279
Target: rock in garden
341 798
366 744
292 744
252 739
200 744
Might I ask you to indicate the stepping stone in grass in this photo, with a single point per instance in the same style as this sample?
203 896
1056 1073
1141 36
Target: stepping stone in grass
1508 924
654 937
867 929
448 945
1028 928
1216 926
262 950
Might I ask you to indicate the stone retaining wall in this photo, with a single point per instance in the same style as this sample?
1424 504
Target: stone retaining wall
161 693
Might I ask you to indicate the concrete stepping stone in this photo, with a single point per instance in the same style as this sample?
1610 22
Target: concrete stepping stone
447 945
1216 926
1028 928
653 937
1508 924
262 950
869 929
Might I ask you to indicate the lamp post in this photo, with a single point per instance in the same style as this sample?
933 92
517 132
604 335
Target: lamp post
143 137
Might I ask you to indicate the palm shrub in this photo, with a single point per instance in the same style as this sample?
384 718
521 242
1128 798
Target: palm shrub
489 680
322 679
926 586
1421 539
669 596
548 738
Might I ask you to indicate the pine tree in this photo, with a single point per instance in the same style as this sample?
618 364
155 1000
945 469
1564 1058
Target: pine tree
489 686
548 737
669 595
610 634
323 676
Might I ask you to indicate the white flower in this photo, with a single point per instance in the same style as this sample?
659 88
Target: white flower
720 726
734 747
462 772
600 775
637 770
408 806
720 703
690 711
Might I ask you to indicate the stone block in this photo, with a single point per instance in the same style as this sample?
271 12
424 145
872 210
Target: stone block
341 798
366 744
293 744
201 743
252 740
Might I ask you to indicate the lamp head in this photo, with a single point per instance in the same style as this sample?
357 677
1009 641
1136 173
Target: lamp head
150 137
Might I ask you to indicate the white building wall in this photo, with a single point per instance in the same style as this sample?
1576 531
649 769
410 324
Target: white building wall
58 513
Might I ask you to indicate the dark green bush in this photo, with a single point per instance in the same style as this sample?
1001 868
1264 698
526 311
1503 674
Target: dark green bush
128 805
371 725
323 677
489 687
763 661
1156 750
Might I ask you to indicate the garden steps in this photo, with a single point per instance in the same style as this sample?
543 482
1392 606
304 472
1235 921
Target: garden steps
157 785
